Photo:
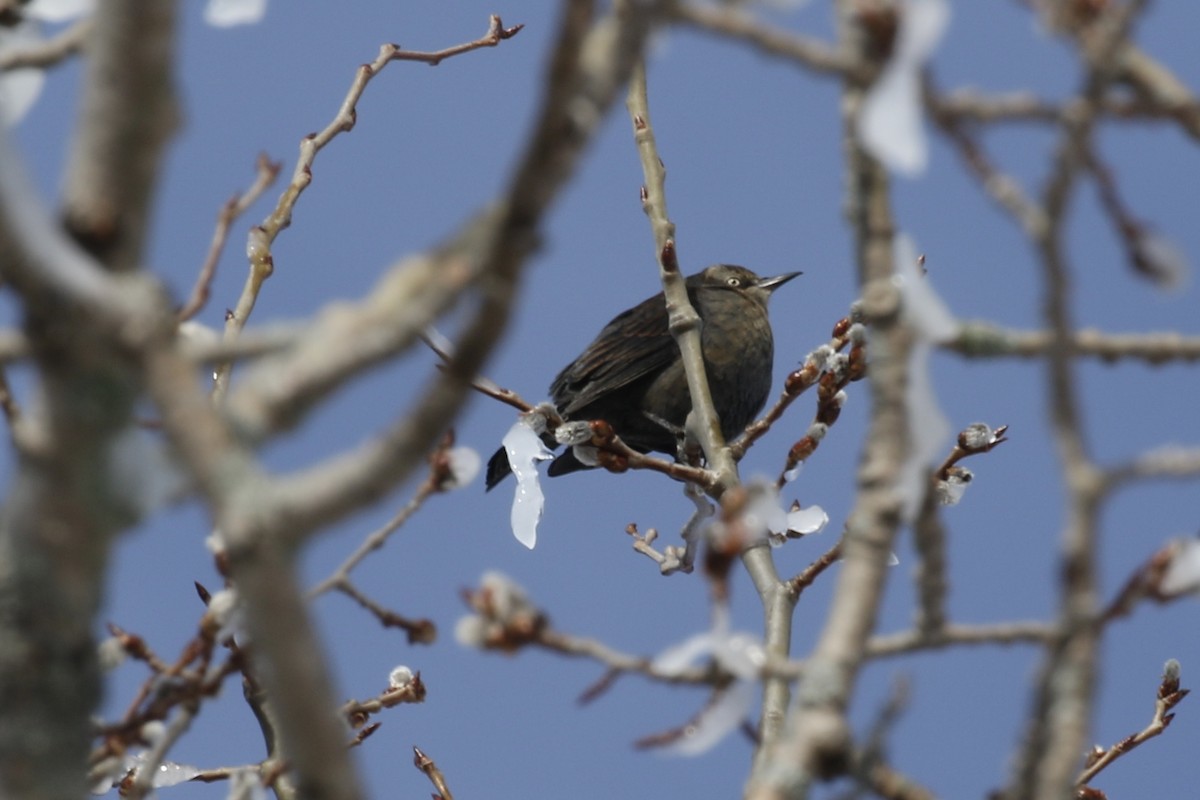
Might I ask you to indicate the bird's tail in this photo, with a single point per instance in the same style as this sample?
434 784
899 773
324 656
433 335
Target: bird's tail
498 469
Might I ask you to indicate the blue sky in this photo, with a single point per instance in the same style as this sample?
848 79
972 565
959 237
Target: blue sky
753 151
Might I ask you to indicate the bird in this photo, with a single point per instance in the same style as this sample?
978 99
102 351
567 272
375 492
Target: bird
632 377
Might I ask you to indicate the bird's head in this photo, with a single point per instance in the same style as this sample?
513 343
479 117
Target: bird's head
740 279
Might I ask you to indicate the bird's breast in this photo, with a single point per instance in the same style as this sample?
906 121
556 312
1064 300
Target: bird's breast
739 354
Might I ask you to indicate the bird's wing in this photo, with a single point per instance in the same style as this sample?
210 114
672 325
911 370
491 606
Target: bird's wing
635 344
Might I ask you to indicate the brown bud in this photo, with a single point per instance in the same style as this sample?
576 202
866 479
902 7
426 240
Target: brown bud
799 380
668 257
422 631
602 432
717 563
801 450
221 562
828 413
880 23
202 590
827 387
858 363
613 462
733 502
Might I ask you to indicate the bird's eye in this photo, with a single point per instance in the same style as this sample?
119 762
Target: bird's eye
734 282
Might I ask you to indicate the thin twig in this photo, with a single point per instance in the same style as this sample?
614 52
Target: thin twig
616 661
377 538
1003 188
444 349
266 171
1169 695
262 263
426 765
735 24
1170 461
419 631
973 441
870 767
357 712
954 635
628 458
49 53
985 340
810 573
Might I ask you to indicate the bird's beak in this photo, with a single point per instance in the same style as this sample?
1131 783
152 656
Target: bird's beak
771 284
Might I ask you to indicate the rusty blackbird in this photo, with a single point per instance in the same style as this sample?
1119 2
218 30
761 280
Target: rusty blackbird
632 376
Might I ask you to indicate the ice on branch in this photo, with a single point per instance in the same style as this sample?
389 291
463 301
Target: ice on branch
762 517
928 430
763 514
142 471
742 655
464 466
215 543
726 712
506 597
198 333
165 773
227 13
932 322
890 122
1159 258
784 5
114 771
400 677
740 652
504 617
923 307
806 521
19 88
471 631
226 613
59 10
1183 572
524 448
578 436
111 653
951 490
170 774
245 784
977 436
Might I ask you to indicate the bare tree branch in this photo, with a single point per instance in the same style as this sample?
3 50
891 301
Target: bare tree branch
818 742
51 52
64 508
1059 729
